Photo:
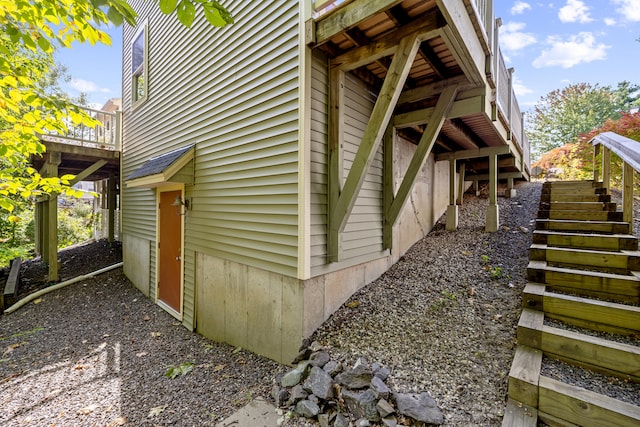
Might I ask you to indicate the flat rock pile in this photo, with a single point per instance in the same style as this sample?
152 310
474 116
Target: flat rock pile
322 389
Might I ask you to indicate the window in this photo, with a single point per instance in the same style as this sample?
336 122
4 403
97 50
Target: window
139 66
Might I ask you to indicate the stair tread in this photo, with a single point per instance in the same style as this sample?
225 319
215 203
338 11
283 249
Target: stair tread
623 252
633 276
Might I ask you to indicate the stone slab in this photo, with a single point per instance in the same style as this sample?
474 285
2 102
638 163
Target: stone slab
257 413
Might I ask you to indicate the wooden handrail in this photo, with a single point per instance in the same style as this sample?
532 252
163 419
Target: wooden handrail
629 152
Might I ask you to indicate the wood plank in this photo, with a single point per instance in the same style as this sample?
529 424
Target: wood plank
579 206
609 313
573 197
335 142
524 375
581 215
627 194
372 137
518 415
623 260
349 16
584 407
615 358
533 296
576 225
472 154
610 242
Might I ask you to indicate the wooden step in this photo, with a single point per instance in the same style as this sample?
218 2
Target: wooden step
616 287
519 415
583 312
572 184
608 242
578 206
595 353
605 227
582 191
606 260
580 215
573 197
525 374
565 404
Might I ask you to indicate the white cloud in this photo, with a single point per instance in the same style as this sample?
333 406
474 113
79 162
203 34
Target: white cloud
579 48
87 86
575 11
512 37
629 9
519 87
610 22
519 7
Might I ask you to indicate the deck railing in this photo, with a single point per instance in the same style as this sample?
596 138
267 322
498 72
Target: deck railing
105 135
629 152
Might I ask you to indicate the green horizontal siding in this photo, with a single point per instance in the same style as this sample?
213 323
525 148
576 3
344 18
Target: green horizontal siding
232 92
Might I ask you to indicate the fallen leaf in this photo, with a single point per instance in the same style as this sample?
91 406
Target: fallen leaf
155 334
219 368
237 350
524 230
497 317
471 292
141 354
157 410
146 318
466 253
37 300
120 421
353 304
87 410
78 367
510 285
505 228
11 348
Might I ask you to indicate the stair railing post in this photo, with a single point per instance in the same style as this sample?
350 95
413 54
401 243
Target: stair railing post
606 167
596 165
627 195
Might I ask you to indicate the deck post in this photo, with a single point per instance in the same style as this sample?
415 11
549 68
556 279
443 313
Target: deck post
476 187
492 218
50 219
111 204
596 165
387 184
452 209
627 195
511 192
606 167
461 184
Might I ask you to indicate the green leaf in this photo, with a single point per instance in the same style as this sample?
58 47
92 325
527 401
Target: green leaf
213 16
168 6
186 13
44 44
114 16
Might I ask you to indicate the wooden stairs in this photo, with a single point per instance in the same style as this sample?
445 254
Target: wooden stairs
584 276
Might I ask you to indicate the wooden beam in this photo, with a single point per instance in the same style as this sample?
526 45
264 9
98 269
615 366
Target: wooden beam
471 154
348 17
445 101
431 89
388 183
377 125
111 205
423 29
88 171
471 139
461 108
485 176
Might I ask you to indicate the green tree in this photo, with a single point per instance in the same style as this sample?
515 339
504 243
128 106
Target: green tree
31 32
563 115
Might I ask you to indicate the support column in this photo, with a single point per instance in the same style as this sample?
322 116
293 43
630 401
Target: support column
606 167
476 187
38 227
462 171
511 192
452 209
627 195
52 236
493 217
111 202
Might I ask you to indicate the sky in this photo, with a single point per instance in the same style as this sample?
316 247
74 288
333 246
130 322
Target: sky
549 44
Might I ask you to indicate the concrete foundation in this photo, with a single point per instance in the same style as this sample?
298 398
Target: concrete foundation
452 218
493 219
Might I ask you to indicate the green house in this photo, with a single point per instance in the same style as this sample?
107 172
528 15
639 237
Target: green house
273 167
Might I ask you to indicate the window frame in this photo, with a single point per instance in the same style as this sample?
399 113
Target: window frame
143 68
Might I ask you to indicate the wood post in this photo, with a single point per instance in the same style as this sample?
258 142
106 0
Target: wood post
492 217
627 195
596 165
452 209
460 198
388 184
606 167
111 202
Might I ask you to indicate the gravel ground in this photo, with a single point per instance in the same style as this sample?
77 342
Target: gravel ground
443 319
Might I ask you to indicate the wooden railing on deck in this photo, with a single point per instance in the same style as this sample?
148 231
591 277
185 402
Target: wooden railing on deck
106 135
629 152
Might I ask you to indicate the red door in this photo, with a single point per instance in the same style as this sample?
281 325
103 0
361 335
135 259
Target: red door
170 250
